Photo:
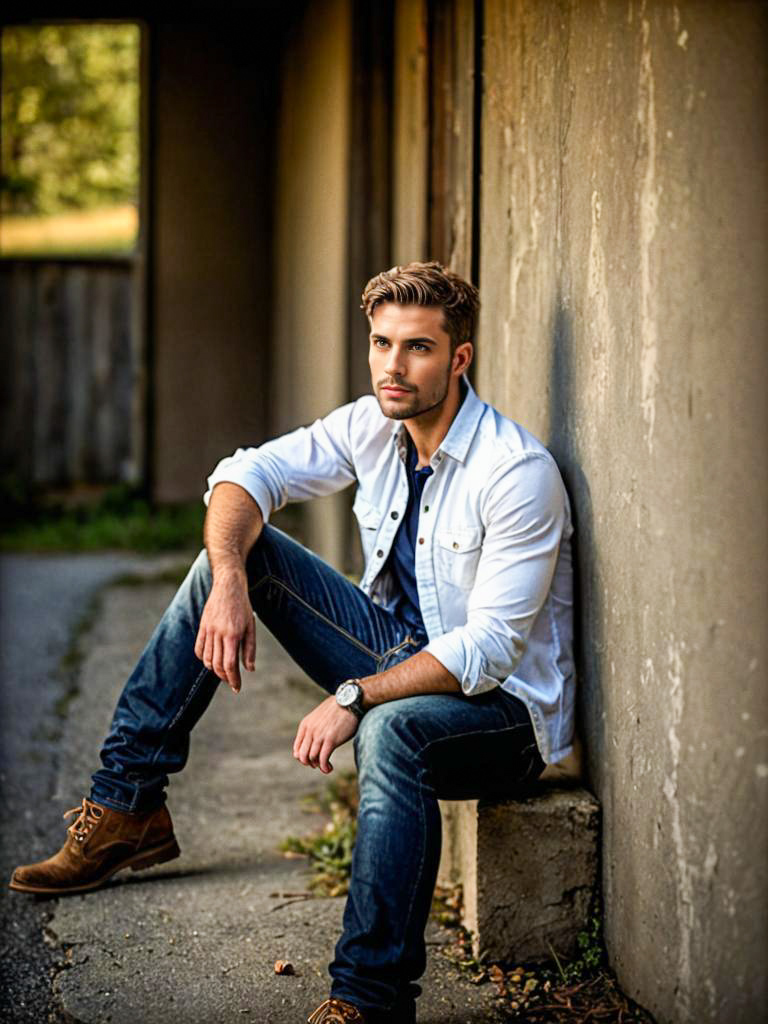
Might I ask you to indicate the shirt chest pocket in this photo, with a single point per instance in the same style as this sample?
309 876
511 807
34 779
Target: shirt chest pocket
368 519
457 552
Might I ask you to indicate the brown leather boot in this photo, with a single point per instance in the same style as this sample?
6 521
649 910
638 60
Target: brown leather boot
339 1011
336 1011
100 842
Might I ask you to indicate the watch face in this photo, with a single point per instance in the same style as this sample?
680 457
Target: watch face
346 694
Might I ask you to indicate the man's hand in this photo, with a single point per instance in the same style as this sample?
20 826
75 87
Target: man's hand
226 627
321 731
232 526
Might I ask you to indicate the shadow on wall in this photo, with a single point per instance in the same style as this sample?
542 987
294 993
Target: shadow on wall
588 604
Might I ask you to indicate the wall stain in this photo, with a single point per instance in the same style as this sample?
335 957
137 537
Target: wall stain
684 871
600 327
649 218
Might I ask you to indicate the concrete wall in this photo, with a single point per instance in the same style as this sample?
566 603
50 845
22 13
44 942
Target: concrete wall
210 150
310 371
410 140
623 267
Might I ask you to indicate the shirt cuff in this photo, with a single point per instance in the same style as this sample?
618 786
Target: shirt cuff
463 659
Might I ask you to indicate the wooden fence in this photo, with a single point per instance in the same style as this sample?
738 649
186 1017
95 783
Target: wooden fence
71 386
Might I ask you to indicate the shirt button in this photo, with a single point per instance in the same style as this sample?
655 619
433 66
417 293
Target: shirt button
455 546
426 508
421 540
394 515
379 553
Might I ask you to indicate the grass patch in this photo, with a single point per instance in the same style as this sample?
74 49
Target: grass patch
330 851
72 660
117 518
174 575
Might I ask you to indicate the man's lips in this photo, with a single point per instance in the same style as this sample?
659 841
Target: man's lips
394 389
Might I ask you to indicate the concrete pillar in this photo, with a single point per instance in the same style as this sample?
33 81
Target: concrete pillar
623 265
209 115
310 372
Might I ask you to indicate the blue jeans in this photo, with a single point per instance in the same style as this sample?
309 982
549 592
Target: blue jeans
409 752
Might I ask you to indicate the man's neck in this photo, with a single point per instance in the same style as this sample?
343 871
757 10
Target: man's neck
428 430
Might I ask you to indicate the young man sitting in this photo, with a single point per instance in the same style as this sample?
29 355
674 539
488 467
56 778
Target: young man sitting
450 664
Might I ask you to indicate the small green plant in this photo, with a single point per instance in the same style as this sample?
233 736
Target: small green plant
591 951
548 992
330 851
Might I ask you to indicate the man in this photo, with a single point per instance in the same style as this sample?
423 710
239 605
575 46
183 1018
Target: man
450 664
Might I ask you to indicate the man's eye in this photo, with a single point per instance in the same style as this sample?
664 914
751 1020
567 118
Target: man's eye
418 347
380 342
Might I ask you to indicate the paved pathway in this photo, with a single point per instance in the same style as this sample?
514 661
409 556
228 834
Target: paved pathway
193 941
44 602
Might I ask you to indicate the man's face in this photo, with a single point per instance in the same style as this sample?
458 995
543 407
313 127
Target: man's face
412 368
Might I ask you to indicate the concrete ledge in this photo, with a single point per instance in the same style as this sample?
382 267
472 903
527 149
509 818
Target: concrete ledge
528 868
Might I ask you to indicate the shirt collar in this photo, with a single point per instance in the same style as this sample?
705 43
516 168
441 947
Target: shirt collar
460 433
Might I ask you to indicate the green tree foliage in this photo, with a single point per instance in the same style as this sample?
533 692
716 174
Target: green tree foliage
70 106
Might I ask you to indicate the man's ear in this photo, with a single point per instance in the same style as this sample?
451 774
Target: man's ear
462 357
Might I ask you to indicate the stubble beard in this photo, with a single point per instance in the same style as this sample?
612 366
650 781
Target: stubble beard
414 407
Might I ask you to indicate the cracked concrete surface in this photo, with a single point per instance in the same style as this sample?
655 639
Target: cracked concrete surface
195 940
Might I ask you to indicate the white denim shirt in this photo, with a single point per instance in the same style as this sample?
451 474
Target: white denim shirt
493 555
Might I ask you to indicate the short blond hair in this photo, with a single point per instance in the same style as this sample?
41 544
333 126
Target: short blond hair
428 284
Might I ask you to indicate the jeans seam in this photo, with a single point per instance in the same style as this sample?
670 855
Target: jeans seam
479 732
191 693
161 746
329 622
423 823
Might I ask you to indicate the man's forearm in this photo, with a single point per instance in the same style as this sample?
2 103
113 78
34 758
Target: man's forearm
422 673
329 725
232 526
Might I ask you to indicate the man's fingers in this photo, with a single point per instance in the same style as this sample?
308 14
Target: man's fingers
218 657
249 645
208 649
325 758
303 751
200 643
298 740
232 662
314 750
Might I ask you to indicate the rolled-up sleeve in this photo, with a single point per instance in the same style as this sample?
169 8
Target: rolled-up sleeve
306 463
524 514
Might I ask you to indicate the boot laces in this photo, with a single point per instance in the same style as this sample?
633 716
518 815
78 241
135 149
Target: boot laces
336 1011
89 815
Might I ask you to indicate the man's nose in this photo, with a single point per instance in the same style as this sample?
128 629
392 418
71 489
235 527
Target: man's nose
393 365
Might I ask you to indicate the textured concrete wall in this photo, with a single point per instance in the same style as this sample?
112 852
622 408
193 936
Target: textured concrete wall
209 113
410 137
311 239
623 268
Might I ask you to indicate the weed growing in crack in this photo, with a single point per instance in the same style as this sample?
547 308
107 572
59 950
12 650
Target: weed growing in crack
560 991
330 851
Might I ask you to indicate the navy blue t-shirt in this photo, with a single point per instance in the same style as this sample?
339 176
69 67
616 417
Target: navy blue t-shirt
402 556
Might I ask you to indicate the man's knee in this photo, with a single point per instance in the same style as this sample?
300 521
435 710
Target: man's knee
388 734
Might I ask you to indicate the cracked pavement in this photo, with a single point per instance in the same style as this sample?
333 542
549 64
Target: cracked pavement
194 940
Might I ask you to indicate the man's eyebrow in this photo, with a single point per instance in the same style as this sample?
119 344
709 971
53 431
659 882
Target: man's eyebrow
408 341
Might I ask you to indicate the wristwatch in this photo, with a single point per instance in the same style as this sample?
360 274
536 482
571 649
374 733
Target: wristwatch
349 695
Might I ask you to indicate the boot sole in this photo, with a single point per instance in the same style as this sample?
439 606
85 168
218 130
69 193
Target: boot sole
138 862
